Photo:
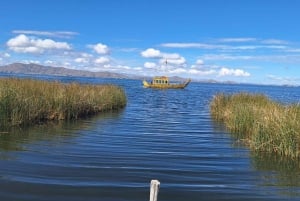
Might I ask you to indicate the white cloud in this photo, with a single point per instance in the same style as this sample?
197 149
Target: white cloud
151 53
49 62
25 44
237 40
58 34
164 58
233 72
128 49
102 60
100 48
284 80
193 45
6 55
221 47
176 61
31 61
215 57
275 42
149 65
201 72
81 60
170 56
294 50
178 71
86 55
199 62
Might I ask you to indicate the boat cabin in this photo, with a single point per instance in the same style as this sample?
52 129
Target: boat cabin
161 80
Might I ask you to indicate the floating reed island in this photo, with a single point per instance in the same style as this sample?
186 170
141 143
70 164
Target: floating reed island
261 123
26 102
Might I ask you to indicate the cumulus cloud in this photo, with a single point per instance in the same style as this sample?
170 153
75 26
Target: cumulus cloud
171 63
233 72
101 60
25 44
100 48
149 65
151 53
164 58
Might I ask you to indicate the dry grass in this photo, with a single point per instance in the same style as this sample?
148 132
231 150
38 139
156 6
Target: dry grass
264 124
27 102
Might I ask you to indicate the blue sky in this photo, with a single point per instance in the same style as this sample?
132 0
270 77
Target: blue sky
255 41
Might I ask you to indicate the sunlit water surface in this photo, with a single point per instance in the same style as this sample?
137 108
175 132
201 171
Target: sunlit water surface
161 134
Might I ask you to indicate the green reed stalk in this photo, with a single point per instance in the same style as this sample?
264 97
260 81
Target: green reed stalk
264 124
27 102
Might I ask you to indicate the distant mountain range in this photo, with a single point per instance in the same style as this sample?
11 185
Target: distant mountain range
36 69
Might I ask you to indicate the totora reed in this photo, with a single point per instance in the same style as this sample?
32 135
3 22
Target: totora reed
263 124
25 101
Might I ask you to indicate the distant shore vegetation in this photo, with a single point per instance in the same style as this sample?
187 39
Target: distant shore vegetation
261 123
26 102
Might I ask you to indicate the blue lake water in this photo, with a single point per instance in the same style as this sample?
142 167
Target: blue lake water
161 134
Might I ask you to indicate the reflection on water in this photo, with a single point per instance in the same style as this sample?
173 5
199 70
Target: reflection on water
277 170
17 138
273 170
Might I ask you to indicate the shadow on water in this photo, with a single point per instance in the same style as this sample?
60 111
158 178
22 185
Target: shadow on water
280 171
16 139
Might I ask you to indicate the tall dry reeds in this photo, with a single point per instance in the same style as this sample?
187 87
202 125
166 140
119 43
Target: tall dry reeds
27 101
263 124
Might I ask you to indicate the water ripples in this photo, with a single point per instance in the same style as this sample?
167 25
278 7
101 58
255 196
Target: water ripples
161 134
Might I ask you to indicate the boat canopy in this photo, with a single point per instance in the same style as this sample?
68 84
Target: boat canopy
160 80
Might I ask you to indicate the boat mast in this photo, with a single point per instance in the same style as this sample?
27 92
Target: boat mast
166 66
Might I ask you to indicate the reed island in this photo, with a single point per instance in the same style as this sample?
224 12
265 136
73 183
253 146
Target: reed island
261 123
26 102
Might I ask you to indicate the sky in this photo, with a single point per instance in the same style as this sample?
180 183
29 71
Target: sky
255 41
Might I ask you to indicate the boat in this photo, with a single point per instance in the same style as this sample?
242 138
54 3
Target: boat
162 82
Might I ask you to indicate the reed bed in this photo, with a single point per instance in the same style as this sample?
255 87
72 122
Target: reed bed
261 123
25 101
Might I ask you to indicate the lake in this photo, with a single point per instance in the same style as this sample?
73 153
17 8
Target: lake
161 134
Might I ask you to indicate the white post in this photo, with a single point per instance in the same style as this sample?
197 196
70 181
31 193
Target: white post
154 188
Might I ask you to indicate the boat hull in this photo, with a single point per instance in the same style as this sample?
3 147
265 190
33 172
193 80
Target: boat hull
166 86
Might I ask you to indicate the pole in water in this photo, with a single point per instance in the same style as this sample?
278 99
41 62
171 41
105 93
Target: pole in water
154 188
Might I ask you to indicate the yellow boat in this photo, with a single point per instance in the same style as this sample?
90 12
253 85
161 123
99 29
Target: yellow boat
162 82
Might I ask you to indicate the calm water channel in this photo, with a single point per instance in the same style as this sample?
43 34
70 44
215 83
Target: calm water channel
161 134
